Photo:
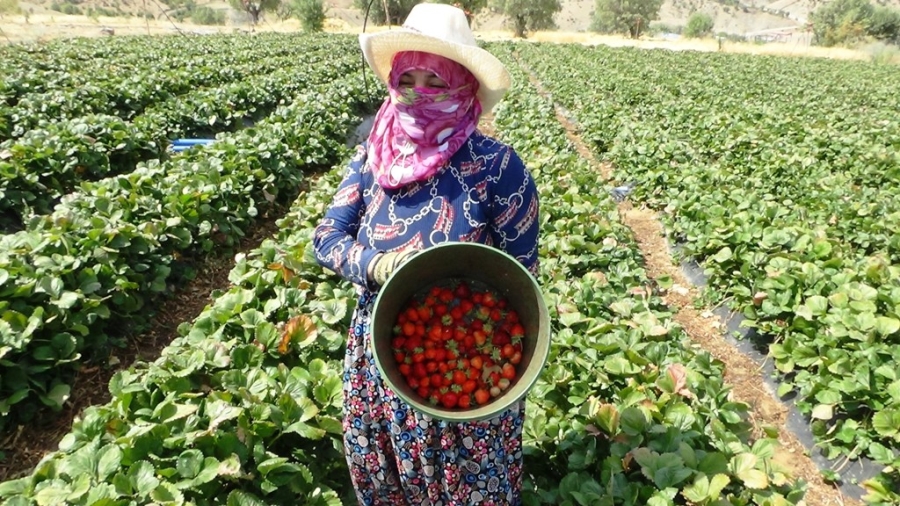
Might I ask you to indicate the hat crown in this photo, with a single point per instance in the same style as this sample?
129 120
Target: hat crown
441 21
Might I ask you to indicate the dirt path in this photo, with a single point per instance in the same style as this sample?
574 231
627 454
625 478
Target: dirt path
741 372
27 445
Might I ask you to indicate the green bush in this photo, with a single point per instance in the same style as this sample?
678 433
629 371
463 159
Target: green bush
398 9
845 22
660 28
208 16
311 14
698 25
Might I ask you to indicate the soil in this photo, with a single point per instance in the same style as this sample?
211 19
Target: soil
742 373
26 446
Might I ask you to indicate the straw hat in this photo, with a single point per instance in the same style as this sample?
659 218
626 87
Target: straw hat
442 30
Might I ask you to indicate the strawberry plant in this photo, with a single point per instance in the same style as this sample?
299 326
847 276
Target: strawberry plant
108 251
788 200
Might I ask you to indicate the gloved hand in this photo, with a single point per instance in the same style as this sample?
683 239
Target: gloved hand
385 264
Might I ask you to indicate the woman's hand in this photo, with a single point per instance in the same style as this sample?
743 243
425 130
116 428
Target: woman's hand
386 263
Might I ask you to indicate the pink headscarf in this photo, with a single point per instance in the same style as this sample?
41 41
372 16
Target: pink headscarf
417 130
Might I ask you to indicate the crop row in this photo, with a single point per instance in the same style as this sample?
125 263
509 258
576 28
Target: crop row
627 410
132 93
779 176
114 63
46 163
109 249
244 407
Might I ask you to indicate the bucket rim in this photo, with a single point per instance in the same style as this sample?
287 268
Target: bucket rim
523 384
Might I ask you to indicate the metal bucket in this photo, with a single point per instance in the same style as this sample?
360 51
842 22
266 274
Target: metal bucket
477 263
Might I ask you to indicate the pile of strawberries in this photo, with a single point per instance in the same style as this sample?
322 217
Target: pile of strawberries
457 346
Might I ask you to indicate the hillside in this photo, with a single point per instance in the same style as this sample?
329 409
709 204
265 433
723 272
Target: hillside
772 20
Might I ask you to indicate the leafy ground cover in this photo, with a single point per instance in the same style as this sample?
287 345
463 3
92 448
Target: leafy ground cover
244 407
780 177
57 81
51 160
112 247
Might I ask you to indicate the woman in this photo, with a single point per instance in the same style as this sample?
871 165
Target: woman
425 176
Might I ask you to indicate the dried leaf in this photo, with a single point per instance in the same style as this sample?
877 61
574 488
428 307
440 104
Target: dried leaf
301 329
759 298
286 274
678 374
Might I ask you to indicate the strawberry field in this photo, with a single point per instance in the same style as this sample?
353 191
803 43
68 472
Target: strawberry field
778 176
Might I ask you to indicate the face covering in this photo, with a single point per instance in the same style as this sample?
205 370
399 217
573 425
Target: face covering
417 130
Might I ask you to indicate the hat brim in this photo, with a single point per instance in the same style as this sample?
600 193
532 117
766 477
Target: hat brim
379 50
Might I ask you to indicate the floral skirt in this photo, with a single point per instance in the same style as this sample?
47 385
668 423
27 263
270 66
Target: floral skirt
398 456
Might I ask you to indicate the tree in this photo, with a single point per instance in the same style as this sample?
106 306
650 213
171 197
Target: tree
528 15
625 16
885 24
699 24
397 9
841 21
471 7
311 14
255 8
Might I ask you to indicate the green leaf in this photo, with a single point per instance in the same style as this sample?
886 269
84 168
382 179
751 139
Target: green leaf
329 391
633 421
723 255
894 391
102 494
52 493
110 461
166 493
818 305
67 300
252 318
881 454
570 319
241 498
887 422
208 472
169 411
620 366
742 462
143 478
57 396
718 483
189 463
886 326
608 419
14 487
822 248
50 285
331 311
754 478
698 491
305 430
828 397
230 467
220 411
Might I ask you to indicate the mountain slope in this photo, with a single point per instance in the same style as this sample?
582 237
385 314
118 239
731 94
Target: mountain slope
741 17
